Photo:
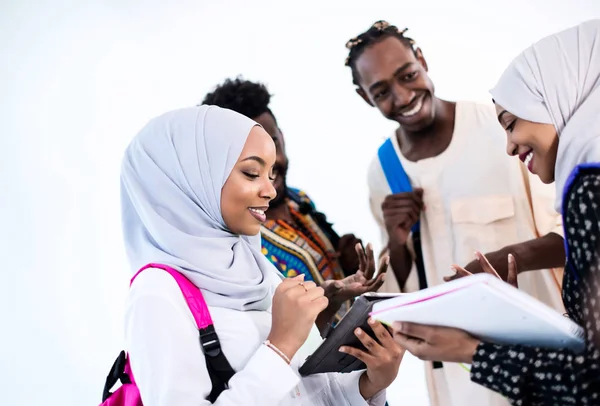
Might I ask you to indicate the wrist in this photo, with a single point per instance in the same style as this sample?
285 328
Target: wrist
395 242
284 349
470 351
366 387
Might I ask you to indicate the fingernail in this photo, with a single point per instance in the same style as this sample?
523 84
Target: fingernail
397 326
387 261
358 331
342 349
371 321
369 246
477 256
511 258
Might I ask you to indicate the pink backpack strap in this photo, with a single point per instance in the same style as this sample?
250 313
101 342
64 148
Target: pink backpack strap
190 292
219 369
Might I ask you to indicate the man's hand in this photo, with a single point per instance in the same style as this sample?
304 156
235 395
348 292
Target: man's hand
347 255
401 211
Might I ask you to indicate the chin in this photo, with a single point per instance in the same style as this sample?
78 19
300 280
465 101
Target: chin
251 231
547 179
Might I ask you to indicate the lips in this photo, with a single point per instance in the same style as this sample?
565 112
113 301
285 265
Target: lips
259 213
411 112
413 108
527 159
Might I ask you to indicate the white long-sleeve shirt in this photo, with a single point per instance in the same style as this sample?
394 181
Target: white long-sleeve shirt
170 369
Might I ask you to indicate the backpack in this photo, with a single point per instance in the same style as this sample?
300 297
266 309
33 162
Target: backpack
219 369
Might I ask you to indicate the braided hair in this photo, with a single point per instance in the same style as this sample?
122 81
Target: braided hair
377 32
242 96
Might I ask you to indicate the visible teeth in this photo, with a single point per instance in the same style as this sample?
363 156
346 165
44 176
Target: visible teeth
259 211
414 110
528 158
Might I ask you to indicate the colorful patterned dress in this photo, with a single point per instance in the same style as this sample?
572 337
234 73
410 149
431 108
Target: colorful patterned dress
303 246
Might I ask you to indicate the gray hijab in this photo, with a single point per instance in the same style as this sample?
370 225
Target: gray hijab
171 180
557 81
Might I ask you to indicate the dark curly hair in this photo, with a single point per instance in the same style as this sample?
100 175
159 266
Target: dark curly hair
377 32
243 96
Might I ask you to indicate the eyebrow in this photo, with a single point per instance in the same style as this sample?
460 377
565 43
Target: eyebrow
502 113
257 159
382 82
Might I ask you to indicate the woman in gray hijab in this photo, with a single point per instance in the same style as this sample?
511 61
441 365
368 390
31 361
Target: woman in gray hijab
548 101
195 184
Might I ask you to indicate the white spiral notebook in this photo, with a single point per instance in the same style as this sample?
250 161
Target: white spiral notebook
487 308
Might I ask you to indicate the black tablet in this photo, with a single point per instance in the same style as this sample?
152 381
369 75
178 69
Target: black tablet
327 357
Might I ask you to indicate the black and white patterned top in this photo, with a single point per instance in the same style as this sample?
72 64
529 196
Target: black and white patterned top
539 376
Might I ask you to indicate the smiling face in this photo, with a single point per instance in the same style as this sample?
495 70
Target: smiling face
536 144
267 121
394 79
249 188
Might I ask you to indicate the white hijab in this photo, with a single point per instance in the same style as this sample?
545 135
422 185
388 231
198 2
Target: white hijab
171 180
557 81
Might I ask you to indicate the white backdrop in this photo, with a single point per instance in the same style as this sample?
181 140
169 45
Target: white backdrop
79 78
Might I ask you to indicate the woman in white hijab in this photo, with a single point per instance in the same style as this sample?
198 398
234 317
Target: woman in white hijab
548 101
195 184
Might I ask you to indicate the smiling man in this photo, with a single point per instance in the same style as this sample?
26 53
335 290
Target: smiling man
465 193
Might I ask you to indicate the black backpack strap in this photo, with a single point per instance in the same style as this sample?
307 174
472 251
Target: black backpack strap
219 369
116 374
416 239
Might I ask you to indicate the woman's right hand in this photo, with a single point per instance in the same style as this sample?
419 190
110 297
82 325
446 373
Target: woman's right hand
511 279
296 305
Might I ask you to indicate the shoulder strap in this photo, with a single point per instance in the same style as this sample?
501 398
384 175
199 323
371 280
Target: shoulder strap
219 369
399 182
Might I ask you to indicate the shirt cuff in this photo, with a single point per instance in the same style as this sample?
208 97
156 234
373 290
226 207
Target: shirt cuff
349 383
278 377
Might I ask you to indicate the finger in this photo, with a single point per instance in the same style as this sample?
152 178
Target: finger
459 272
400 207
384 263
401 215
331 287
358 277
376 284
362 260
485 264
370 262
414 330
356 353
410 200
372 346
413 345
301 288
416 196
290 283
512 271
314 294
317 306
382 334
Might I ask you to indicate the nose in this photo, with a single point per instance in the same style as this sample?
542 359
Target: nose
511 147
402 95
267 190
